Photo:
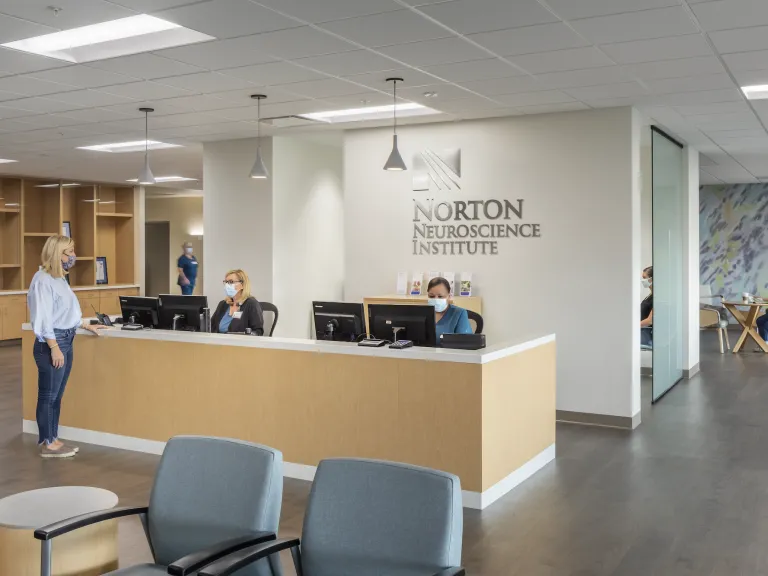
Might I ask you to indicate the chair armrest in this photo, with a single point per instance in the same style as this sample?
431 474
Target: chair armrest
234 562
455 571
70 524
193 562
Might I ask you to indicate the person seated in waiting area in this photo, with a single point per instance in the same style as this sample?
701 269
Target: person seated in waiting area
762 326
449 319
646 310
239 310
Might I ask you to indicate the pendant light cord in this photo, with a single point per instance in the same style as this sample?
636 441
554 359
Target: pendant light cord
394 104
258 121
146 135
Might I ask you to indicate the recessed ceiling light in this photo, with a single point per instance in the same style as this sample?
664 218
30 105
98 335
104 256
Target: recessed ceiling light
430 94
135 146
6 161
13 205
370 113
67 185
141 33
757 92
168 179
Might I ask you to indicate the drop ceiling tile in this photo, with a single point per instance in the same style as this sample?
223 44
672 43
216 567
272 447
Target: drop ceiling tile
702 97
369 98
723 121
636 25
718 108
318 11
348 63
755 60
562 60
638 51
73 13
94 115
7 111
205 82
572 10
387 29
27 86
751 77
534 98
468 104
145 66
326 88
273 110
490 113
443 92
162 107
12 29
273 73
475 70
15 62
432 52
17 125
227 18
625 89
145 90
204 129
88 99
40 106
472 16
119 126
550 108
82 76
378 80
692 84
188 119
274 95
741 39
497 86
530 39
49 121
147 6
725 14
676 68
586 77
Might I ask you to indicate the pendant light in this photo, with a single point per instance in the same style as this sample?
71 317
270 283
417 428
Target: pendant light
145 177
395 161
259 171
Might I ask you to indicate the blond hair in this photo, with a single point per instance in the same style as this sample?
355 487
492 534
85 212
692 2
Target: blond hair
50 257
243 277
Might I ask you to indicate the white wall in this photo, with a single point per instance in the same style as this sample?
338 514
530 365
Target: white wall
308 225
691 276
579 176
237 216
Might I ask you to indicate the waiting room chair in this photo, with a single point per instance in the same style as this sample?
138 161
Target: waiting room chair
475 318
211 497
712 315
269 307
371 518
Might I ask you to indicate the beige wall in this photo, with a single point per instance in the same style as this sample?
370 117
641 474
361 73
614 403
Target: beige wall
186 222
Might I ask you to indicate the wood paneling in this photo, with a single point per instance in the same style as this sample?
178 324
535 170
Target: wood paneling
13 313
109 302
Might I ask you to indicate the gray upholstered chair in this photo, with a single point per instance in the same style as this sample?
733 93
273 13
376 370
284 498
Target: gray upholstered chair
211 497
371 518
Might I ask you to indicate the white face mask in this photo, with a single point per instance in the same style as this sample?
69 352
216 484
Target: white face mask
230 290
188 250
646 282
440 304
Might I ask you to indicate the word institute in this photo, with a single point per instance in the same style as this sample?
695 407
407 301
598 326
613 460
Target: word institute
439 228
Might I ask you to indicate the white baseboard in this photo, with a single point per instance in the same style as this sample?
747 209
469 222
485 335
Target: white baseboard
474 500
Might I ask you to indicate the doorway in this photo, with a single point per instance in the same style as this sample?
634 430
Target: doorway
157 267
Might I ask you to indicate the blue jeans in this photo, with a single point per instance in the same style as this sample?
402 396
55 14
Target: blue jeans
646 336
187 290
762 326
51 383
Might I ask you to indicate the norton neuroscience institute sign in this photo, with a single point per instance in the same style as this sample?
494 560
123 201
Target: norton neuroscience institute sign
468 227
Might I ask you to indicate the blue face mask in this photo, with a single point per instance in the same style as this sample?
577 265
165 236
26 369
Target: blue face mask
69 262
230 290
440 304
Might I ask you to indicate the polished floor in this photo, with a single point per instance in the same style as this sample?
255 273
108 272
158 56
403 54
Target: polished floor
685 494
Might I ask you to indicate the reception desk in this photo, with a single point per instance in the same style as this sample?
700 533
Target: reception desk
487 416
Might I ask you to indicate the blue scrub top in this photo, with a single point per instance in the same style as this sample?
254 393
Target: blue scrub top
224 323
454 321
189 265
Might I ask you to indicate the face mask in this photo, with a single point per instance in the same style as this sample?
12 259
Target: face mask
646 282
69 262
230 290
188 250
440 304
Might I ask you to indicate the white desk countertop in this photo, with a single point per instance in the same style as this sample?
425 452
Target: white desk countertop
483 356
76 289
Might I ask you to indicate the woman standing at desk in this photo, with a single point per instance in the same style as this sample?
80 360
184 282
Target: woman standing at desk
449 319
239 310
55 316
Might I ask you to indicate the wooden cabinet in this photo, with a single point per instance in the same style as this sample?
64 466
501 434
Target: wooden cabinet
13 313
109 300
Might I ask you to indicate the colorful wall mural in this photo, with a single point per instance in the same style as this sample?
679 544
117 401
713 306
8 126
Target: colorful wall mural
733 235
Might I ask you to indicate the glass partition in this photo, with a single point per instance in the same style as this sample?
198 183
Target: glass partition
667 263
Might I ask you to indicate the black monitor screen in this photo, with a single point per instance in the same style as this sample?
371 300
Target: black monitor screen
181 312
415 323
339 321
140 310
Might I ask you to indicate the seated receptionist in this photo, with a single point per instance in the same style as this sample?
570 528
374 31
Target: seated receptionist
239 310
449 319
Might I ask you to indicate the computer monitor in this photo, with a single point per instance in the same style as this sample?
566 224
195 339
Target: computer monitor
415 323
181 312
339 321
140 310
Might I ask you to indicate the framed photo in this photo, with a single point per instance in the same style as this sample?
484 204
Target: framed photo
102 276
66 230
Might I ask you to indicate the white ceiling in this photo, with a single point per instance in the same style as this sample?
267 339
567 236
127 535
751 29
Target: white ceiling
679 61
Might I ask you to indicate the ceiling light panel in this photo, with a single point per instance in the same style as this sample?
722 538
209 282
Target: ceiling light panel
370 113
135 146
168 179
757 92
132 35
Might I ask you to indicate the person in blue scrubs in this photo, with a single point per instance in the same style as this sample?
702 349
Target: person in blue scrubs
187 265
449 319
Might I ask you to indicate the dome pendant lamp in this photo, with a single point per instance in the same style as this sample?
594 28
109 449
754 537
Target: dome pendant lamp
259 171
145 177
395 161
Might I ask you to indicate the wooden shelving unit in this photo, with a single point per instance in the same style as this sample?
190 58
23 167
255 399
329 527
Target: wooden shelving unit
115 231
10 234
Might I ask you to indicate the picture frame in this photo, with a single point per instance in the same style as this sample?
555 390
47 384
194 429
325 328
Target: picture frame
66 229
102 274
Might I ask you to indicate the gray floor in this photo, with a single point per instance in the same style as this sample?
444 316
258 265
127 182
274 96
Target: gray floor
685 494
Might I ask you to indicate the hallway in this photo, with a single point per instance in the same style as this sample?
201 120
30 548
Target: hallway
685 494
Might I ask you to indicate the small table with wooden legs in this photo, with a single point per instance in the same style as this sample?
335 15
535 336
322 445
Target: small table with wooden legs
89 551
747 322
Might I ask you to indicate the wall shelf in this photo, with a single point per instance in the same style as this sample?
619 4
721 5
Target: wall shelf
10 210
10 265
39 234
115 215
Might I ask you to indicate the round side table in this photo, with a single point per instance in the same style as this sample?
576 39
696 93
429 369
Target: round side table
89 551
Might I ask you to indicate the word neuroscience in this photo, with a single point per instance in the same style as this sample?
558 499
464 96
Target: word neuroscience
468 227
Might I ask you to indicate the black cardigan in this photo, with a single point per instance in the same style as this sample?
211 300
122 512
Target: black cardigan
253 317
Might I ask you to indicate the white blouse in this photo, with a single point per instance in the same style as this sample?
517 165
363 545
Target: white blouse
52 306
